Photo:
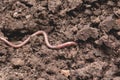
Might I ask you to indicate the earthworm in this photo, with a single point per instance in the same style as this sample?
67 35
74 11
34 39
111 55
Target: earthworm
66 44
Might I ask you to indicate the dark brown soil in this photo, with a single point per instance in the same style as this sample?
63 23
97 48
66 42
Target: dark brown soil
93 24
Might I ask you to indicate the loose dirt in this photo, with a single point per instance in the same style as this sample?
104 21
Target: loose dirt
93 24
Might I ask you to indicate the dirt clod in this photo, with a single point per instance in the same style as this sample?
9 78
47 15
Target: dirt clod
87 32
17 62
88 71
108 24
109 41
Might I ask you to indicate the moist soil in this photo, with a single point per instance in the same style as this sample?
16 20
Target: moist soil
93 24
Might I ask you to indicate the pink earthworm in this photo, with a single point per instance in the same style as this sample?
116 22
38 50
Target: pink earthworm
66 44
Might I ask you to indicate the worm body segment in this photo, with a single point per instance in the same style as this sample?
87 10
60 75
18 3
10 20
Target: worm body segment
71 43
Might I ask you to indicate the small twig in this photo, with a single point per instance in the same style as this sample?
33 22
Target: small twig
71 43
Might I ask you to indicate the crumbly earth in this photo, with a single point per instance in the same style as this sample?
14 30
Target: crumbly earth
93 24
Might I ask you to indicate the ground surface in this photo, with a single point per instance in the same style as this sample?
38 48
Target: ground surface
93 24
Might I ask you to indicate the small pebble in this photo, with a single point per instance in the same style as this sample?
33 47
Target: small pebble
118 33
16 15
28 16
96 20
88 6
65 72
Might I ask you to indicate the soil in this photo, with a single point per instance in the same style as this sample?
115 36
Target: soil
93 24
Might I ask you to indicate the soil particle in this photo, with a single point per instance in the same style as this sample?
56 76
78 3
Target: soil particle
109 41
88 71
97 12
52 70
87 32
118 12
65 72
108 24
118 33
110 3
28 3
118 3
53 5
88 12
74 4
61 77
95 20
40 79
33 60
17 62
116 78
90 1
71 7
111 71
118 23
